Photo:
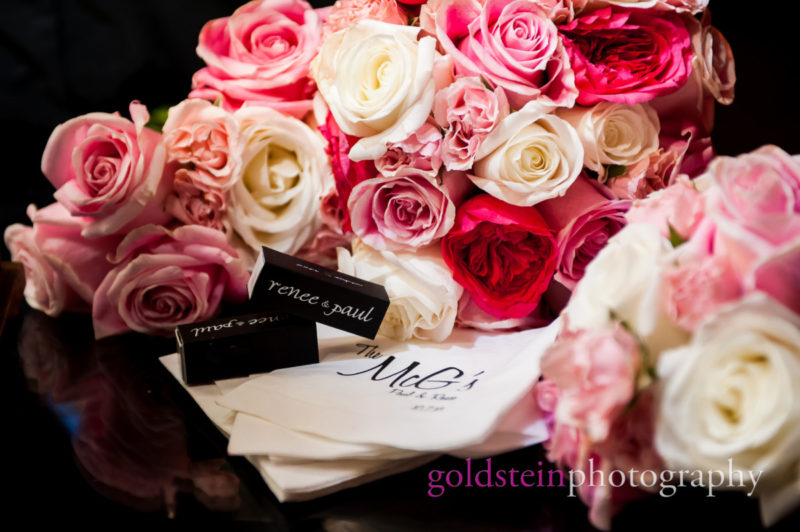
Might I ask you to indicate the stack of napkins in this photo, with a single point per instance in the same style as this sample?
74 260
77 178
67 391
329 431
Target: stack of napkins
372 408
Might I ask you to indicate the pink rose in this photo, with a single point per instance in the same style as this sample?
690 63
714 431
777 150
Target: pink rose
679 205
204 137
346 173
584 218
45 289
695 289
758 193
558 11
778 274
512 43
694 146
755 205
407 211
469 112
596 372
260 55
645 177
62 268
547 395
566 446
108 169
321 249
629 447
418 154
683 149
345 13
193 201
627 55
166 278
331 212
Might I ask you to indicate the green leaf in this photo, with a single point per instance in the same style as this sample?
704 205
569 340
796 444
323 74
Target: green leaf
674 238
615 170
158 118
486 82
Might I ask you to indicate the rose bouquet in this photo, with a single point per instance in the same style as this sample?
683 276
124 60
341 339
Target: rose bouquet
680 348
472 156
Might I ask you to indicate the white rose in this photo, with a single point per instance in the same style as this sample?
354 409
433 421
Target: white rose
529 157
377 79
733 394
614 133
422 293
625 279
276 200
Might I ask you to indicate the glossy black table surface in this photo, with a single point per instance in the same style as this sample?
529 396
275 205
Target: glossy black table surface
102 436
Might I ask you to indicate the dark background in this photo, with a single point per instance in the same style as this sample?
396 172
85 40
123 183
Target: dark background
63 58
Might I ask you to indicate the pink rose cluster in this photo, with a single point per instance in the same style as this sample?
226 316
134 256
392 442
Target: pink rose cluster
730 241
109 245
506 135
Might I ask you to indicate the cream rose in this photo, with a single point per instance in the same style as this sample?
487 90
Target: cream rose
276 200
530 156
624 280
422 293
377 79
733 394
614 133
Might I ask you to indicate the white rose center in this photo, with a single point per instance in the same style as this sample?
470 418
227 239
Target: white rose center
743 397
272 175
619 138
373 78
533 156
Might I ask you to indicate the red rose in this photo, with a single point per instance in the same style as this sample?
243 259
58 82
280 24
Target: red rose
503 255
627 55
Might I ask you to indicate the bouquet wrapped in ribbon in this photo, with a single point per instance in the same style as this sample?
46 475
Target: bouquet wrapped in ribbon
471 156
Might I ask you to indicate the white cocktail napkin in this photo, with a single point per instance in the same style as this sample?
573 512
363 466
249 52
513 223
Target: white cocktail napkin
418 396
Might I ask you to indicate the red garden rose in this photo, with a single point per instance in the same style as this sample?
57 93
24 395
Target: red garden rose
627 55
502 254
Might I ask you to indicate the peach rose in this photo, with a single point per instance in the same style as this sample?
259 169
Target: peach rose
345 13
206 138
